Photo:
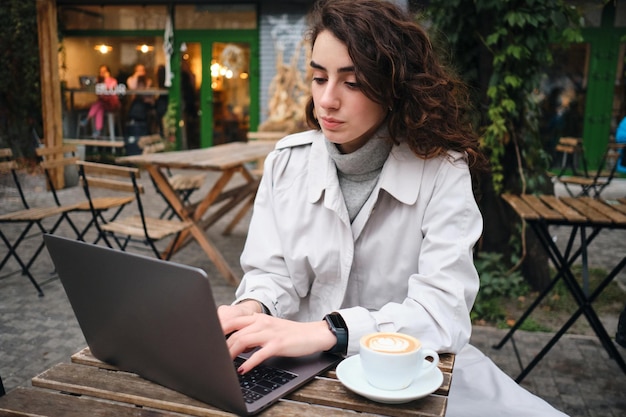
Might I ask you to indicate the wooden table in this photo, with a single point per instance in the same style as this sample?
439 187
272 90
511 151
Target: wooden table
228 159
87 386
580 213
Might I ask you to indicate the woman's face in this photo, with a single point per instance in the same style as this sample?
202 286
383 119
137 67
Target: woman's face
347 117
104 72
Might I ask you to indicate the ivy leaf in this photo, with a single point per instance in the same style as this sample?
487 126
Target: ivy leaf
513 80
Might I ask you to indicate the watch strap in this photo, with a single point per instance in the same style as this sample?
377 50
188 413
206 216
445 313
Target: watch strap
338 327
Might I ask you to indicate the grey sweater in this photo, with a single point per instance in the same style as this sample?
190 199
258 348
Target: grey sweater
358 171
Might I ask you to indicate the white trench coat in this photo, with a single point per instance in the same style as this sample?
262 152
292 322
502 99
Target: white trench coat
404 264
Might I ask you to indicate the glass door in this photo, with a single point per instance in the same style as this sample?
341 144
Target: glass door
230 87
218 96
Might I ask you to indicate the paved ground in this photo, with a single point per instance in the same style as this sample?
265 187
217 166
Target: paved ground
36 333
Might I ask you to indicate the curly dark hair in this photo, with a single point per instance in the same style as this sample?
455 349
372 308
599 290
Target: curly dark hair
396 66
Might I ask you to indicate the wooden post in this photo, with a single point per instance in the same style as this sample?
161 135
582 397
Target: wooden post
50 81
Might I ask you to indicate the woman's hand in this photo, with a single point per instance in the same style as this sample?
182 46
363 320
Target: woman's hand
248 329
244 308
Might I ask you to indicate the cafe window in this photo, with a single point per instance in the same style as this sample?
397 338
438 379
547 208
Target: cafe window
83 55
206 16
119 17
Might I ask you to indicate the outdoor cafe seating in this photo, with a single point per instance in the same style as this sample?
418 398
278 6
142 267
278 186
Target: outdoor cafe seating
184 184
574 174
29 217
134 228
587 217
65 157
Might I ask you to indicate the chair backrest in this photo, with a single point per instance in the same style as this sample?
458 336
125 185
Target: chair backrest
53 158
110 177
573 152
610 160
613 153
8 164
151 143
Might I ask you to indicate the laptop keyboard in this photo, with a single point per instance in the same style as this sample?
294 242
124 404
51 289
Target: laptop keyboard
261 380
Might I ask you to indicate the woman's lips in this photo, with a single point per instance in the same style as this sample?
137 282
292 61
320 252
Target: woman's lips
330 123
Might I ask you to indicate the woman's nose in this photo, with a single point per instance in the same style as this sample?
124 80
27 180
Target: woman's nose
330 98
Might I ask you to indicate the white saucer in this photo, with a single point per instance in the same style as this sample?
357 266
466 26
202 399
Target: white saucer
350 373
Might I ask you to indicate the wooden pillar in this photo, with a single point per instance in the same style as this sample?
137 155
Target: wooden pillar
50 81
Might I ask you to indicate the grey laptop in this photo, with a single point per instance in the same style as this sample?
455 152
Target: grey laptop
158 319
87 81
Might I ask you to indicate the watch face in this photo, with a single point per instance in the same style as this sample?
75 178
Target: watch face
337 321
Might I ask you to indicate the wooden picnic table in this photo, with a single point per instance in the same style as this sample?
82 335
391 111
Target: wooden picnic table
87 386
582 214
228 159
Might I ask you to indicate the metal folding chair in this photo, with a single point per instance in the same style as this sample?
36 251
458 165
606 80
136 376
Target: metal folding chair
29 216
593 185
136 228
63 157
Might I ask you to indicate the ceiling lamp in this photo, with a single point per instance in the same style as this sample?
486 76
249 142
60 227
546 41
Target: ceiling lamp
144 48
103 48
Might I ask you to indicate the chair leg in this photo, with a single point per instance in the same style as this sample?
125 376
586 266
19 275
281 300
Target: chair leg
25 268
72 225
169 253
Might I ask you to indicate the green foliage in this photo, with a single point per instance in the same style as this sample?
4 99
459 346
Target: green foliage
516 36
171 120
496 282
532 325
20 97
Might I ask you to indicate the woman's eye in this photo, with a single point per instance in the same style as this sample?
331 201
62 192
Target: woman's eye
319 80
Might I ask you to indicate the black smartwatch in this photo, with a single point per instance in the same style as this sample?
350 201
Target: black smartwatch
338 327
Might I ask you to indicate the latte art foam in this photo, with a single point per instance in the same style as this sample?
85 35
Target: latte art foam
392 343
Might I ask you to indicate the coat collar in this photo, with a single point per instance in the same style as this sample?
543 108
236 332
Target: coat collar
399 177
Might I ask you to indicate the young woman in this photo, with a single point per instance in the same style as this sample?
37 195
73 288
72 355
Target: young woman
107 100
370 217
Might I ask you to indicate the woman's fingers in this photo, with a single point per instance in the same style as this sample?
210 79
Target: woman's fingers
276 337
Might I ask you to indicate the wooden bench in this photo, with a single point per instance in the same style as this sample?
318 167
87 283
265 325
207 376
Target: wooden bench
96 143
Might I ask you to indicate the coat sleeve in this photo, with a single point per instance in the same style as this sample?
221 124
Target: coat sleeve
441 292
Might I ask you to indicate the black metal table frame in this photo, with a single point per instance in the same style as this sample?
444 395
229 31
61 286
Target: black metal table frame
584 300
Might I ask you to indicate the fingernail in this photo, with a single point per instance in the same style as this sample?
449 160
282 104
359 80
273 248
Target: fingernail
240 371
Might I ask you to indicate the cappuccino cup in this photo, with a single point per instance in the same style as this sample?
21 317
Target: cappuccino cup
391 361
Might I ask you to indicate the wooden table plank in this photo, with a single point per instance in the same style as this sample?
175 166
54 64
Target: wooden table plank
521 207
619 204
120 386
331 393
569 213
216 158
129 388
541 208
607 210
38 402
581 204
